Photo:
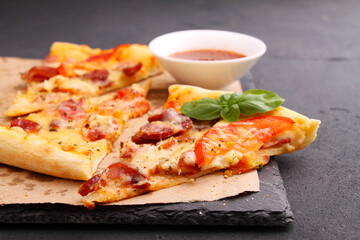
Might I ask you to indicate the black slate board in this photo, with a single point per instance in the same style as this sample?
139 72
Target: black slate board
269 207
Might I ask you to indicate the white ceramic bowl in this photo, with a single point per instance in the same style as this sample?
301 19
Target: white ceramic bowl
209 74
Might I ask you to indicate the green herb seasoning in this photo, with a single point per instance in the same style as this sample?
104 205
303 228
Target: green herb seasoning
229 106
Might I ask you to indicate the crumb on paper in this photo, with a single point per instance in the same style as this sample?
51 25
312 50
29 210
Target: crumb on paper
227 174
191 180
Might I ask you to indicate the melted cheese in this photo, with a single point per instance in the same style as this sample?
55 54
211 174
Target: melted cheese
149 156
70 136
67 137
224 160
73 85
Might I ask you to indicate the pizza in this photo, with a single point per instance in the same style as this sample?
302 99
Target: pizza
78 70
173 148
69 139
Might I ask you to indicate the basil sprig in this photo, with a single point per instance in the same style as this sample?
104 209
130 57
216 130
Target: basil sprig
230 105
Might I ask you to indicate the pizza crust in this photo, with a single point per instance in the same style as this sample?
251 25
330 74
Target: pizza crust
180 94
17 149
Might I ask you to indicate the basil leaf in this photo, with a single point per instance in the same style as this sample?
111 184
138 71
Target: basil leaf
230 113
202 109
229 99
258 101
230 105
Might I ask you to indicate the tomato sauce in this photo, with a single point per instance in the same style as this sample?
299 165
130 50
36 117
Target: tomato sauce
207 55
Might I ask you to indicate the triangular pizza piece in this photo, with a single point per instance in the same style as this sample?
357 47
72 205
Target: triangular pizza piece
172 148
79 70
69 140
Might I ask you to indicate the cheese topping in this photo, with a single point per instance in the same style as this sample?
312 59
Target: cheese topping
148 157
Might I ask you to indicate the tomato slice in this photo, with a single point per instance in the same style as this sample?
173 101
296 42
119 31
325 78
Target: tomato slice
242 136
266 126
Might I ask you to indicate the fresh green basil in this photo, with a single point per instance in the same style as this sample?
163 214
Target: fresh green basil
230 113
202 109
229 106
258 101
229 99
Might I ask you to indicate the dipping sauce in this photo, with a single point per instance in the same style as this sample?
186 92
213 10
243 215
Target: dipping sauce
207 55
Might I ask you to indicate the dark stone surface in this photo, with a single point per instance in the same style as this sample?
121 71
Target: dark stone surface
269 207
312 61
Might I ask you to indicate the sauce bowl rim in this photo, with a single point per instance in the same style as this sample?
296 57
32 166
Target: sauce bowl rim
235 60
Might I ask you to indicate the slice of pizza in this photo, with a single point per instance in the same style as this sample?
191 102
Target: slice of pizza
72 69
69 140
172 148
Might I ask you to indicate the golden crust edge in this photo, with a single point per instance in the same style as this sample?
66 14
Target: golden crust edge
184 93
17 149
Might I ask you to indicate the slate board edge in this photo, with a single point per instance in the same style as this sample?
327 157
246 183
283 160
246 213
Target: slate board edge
159 214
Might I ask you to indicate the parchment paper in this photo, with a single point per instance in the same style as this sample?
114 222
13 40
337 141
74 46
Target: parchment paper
22 186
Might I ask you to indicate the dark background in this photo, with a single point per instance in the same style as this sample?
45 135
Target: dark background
313 61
